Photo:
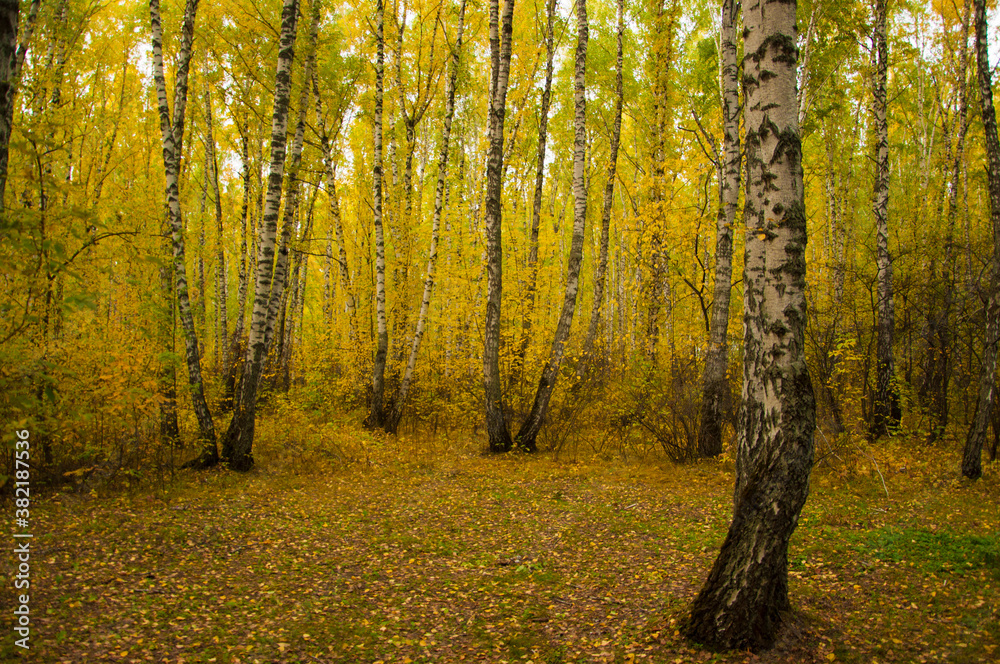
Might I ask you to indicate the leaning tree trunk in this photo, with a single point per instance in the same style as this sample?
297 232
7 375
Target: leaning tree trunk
740 604
972 458
500 51
536 208
238 445
885 409
715 387
392 421
172 133
527 435
600 276
376 406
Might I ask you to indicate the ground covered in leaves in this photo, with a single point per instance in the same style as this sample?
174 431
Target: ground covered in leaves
426 551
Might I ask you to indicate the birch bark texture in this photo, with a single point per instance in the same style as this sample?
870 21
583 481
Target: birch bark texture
972 466
528 433
740 605
172 136
376 405
237 448
396 413
715 387
885 409
501 34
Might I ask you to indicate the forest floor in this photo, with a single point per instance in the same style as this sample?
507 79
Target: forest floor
423 550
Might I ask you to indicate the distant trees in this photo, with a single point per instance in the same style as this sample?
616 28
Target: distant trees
377 267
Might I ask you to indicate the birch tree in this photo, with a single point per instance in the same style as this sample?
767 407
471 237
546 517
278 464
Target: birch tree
885 409
536 207
392 422
601 271
528 433
741 602
501 35
221 287
715 387
172 136
972 457
376 406
238 444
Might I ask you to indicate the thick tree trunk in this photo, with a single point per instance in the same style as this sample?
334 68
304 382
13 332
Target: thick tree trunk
172 133
536 208
527 435
601 271
392 422
376 406
885 409
238 445
740 604
972 457
500 51
715 387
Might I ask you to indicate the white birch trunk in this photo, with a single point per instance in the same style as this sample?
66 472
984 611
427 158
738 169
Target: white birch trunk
238 445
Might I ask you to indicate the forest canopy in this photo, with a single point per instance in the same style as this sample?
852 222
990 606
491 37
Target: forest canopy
159 175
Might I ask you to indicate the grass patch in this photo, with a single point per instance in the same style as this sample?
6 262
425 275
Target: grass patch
935 551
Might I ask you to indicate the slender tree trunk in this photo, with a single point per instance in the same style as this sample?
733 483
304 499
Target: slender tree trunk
376 406
237 448
536 208
392 422
972 457
280 280
715 387
941 367
221 289
740 604
600 276
527 435
330 171
236 342
170 433
501 35
12 54
172 132
885 409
